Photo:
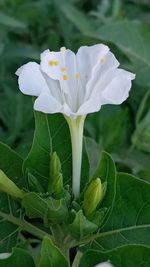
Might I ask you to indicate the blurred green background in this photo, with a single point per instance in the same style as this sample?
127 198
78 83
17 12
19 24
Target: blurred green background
28 27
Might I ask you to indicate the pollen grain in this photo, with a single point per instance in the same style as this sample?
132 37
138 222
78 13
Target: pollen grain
65 77
63 69
63 48
103 60
77 76
56 63
51 63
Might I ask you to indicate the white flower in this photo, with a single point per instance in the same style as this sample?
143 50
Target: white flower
75 85
5 255
104 264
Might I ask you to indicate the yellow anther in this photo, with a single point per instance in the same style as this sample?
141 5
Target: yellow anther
63 69
77 76
51 62
63 48
103 60
56 63
65 77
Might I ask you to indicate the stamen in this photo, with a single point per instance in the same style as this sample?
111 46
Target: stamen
77 76
103 60
65 77
56 63
51 62
63 48
63 69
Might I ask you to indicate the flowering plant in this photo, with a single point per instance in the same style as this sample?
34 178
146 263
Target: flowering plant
81 218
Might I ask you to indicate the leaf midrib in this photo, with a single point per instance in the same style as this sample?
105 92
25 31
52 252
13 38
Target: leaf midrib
111 232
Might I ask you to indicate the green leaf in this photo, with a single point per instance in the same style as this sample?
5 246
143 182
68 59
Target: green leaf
141 135
93 153
20 50
11 164
85 166
19 257
11 21
129 222
46 208
51 134
131 255
74 15
133 39
51 255
106 171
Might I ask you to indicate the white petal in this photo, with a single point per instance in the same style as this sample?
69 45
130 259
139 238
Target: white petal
118 89
65 71
5 255
47 103
90 106
63 63
106 64
31 81
87 59
104 264
18 71
67 111
54 87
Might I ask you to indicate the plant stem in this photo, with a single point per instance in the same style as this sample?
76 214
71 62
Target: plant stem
77 259
76 131
25 226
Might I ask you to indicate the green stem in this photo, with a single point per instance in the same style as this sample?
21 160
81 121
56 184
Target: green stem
76 131
116 6
77 259
59 240
25 226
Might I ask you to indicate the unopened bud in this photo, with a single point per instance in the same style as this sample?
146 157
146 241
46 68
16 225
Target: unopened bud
9 187
55 165
93 196
56 179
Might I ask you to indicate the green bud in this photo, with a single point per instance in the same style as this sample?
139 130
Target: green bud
55 165
93 195
57 185
9 187
56 179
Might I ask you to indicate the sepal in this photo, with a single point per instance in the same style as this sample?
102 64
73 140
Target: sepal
81 226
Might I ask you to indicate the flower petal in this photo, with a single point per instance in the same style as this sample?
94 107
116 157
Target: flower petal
31 81
90 106
87 59
111 89
107 63
54 87
118 89
5 255
47 103
62 66
104 264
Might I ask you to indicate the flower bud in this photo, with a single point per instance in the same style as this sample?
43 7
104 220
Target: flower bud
55 165
56 179
93 196
9 187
